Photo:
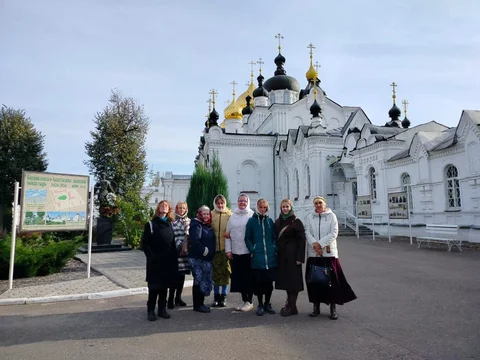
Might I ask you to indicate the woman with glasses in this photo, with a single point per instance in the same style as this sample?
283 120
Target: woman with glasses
237 250
321 230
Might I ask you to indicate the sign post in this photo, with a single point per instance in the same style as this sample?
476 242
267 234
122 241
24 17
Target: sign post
90 228
364 209
14 236
398 208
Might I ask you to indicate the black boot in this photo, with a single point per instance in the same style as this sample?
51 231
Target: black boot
316 310
178 297
199 299
222 300
151 315
162 310
333 312
216 300
171 294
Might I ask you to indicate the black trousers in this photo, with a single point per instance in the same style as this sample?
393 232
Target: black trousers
154 296
178 288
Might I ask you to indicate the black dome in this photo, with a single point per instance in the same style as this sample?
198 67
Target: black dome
315 109
394 112
213 118
282 82
405 123
260 91
247 110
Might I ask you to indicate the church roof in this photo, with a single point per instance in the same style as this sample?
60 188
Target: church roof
474 115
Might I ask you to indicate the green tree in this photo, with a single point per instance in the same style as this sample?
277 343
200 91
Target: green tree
21 148
205 184
198 185
117 149
217 183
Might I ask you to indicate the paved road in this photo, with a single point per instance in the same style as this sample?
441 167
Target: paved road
413 304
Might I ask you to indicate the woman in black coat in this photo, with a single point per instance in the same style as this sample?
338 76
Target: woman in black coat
158 244
291 255
200 253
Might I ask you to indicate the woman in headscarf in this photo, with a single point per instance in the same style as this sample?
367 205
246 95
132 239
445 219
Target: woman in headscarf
321 229
261 242
181 224
200 253
158 244
221 263
291 255
236 250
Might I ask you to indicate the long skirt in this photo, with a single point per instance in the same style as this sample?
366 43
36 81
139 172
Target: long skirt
262 280
202 275
221 269
241 278
339 292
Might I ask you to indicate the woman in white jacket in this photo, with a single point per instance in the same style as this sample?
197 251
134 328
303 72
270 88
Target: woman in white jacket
321 231
237 250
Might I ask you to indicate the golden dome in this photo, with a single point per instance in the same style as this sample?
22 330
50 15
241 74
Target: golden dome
311 74
233 111
242 99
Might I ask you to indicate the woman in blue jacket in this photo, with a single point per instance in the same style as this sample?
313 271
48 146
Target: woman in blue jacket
200 253
262 244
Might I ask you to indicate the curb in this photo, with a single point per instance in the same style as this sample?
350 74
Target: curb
84 296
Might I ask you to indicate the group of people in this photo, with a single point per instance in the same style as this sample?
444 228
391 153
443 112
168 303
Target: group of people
247 250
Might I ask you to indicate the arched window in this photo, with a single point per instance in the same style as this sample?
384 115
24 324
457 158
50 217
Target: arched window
453 187
156 200
373 184
286 97
308 186
406 186
297 185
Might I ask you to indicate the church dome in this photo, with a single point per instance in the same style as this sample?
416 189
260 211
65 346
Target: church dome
281 81
405 123
260 90
242 98
311 73
394 113
247 110
233 111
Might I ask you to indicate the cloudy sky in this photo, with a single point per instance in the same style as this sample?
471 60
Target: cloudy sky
61 59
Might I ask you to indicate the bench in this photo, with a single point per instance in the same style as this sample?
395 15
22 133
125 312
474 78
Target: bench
441 233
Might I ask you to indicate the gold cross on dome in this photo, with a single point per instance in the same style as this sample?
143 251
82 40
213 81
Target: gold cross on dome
279 37
233 83
213 92
209 101
311 47
393 85
260 62
405 105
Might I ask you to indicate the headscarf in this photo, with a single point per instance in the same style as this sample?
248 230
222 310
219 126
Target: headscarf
290 213
199 216
261 216
247 208
320 198
225 209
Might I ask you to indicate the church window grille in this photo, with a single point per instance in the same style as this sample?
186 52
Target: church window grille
452 187
373 184
407 187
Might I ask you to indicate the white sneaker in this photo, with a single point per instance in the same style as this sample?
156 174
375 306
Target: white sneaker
239 307
247 307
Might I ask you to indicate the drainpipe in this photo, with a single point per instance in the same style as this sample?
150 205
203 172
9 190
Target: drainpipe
274 176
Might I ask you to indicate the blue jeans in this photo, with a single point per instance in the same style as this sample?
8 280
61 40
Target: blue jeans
216 289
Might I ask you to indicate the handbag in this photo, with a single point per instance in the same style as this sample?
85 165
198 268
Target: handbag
320 275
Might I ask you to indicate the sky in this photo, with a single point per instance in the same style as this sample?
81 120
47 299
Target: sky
60 60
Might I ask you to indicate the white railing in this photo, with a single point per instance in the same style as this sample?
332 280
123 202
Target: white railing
349 220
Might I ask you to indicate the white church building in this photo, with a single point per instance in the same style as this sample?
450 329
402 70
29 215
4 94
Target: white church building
171 187
278 140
